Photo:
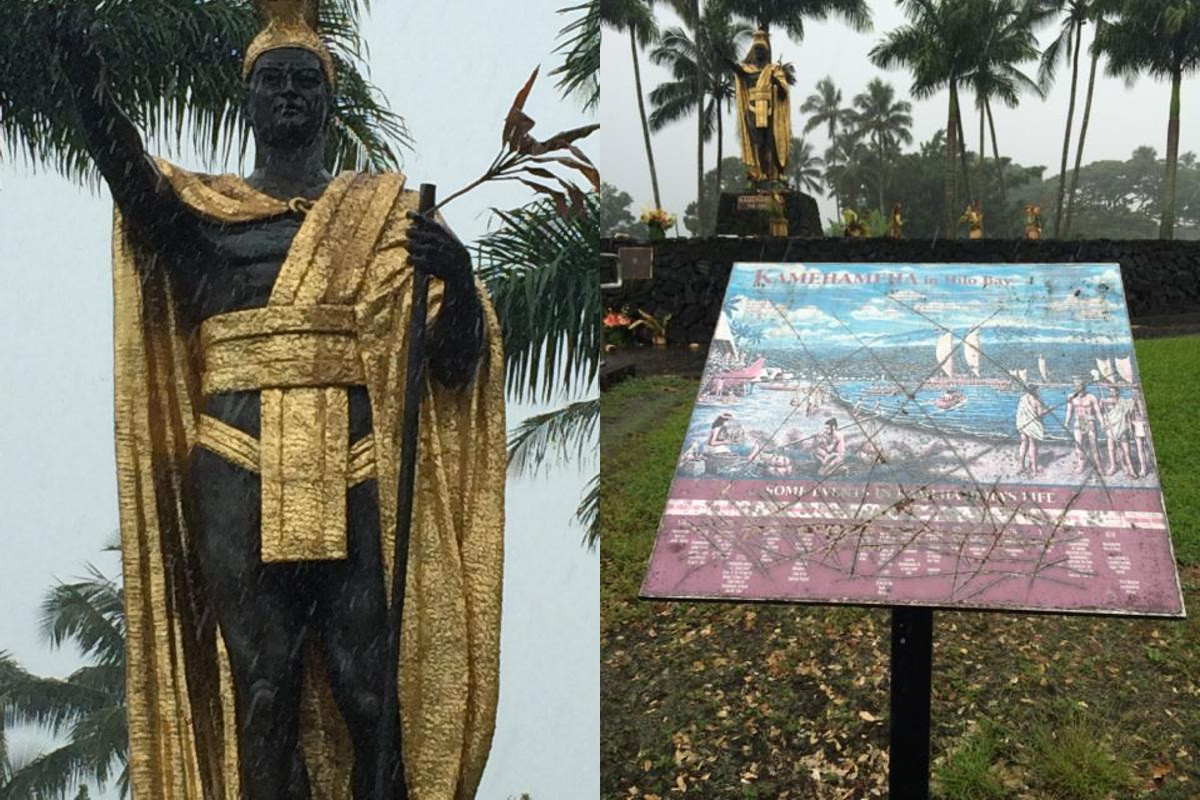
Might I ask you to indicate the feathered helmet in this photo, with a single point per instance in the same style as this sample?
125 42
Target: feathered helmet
290 23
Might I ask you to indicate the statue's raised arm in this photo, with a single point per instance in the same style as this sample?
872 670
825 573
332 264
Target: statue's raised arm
114 143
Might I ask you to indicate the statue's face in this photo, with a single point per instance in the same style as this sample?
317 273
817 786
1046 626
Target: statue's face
288 99
760 56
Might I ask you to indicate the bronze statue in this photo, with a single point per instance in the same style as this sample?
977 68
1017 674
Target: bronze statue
764 111
973 216
260 355
1033 221
896 223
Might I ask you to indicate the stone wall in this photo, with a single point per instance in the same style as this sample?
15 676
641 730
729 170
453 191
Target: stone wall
690 274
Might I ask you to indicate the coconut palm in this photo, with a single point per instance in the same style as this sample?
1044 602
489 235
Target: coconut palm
804 169
847 170
87 709
540 270
940 45
579 73
1099 12
790 14
1161 39
175 67
636 18
1066 46
824 107
704 56
886 121
1008 41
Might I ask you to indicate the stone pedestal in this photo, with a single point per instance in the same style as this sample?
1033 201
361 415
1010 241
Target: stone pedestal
750 214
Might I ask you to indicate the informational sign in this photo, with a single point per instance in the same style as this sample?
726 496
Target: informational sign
953 436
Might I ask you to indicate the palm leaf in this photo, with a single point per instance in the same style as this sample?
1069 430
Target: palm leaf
560 433
541 271
579 74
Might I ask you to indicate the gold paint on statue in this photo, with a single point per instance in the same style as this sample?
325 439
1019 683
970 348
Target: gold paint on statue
763 99
348 262
290 23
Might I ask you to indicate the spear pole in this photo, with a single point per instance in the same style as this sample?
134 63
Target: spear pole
390 781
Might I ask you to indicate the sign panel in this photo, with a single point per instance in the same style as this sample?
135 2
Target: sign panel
957 436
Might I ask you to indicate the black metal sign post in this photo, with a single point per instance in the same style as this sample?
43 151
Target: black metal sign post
912 684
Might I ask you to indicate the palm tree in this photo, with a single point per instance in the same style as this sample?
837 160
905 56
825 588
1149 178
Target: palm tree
579 73
1162 39
804 168
1065 46
540 271
703 57
1008 40
790 14
846 171
887 121
824 107
1098 17
636 18
87 709
940 44
179 71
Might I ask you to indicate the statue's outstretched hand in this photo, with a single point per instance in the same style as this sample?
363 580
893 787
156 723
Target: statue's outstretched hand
436 251
74 45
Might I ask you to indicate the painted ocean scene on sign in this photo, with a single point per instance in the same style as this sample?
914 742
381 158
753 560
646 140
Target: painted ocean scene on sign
970 372
943 435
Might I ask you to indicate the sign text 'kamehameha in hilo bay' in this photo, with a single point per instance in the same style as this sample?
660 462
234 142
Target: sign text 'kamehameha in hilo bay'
932 435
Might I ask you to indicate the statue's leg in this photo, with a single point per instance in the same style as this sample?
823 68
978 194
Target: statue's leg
262 613
351 616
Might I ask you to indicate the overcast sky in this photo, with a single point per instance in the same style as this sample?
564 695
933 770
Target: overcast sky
1122 118
452 69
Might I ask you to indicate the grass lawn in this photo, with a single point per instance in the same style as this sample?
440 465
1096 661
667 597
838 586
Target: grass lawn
788 702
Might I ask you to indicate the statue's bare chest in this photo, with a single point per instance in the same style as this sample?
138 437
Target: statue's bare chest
241 267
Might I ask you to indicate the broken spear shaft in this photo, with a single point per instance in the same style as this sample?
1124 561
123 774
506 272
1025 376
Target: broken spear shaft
389 776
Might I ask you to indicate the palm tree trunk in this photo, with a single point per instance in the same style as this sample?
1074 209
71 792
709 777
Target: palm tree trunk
1066 152
962 145
1083 130
996 154
720 158
637 81
949 218
982 147
879 140
1168 221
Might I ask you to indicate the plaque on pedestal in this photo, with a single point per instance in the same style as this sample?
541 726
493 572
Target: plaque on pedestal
763 214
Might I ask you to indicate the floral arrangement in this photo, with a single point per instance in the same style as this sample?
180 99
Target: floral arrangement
616 319
658 218
656 325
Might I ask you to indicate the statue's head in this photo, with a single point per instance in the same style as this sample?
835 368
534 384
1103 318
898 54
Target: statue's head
288 98
760 51
289 75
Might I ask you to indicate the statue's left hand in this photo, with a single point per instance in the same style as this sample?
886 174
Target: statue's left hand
436 251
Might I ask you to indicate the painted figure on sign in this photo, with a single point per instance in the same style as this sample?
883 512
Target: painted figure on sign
829 448
1141 432
1030 411
1084 409
1117 413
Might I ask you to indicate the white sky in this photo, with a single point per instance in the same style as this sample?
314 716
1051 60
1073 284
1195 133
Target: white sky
1122 118
452 69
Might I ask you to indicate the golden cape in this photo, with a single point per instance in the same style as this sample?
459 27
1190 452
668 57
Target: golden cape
183 743
766 105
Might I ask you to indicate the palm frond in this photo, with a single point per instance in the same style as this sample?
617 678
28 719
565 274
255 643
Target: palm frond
542 273
91 613
556 435
588 509
579 73
175 67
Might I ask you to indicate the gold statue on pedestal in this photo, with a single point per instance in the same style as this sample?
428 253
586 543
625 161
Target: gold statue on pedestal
765 111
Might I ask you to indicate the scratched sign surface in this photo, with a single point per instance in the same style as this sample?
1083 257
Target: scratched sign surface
962 436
